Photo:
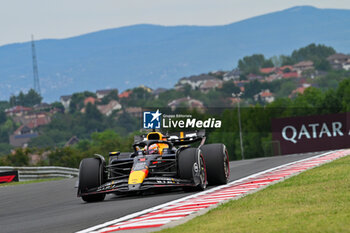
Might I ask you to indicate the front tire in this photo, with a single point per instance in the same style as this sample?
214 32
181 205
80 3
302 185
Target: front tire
191 166
217 163
91 175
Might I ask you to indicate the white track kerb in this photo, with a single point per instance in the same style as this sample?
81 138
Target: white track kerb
188 206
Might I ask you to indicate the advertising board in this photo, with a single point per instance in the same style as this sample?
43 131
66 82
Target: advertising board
312 133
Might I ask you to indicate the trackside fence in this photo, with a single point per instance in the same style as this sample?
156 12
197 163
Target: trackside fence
34 173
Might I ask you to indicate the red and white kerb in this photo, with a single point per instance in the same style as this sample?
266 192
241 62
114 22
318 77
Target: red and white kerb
175 210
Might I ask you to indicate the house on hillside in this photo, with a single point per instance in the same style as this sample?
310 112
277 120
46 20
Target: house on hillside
339 61
134 111
186 102
109 108
268 70
232 75
291 75
33 120
65 101
36 120
241 84
286 68
218 73
102 93
234 100
211 84
276 73
252 77
158 91
18 111
196 81
90 100
42 107
303 66
273 77
72 141
299 90
265 96
22 136
125 94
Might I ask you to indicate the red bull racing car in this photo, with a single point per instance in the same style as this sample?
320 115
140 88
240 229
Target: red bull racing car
157 161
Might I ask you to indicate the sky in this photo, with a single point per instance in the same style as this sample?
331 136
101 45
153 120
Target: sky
19 19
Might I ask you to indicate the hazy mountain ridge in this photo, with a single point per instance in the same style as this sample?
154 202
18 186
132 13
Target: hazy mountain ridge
157 56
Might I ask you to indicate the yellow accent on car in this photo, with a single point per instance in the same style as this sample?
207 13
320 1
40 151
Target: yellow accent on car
155 136
158 136
137 177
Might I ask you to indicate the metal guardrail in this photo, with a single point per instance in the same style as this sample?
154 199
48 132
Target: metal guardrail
34 173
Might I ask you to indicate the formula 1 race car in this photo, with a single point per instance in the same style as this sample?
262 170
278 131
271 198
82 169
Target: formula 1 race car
157 161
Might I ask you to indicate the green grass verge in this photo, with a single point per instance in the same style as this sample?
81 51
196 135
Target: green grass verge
317 200
29 182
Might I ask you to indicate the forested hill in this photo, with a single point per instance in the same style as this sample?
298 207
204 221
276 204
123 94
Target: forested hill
157 56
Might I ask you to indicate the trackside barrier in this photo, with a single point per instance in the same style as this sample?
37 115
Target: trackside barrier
34 173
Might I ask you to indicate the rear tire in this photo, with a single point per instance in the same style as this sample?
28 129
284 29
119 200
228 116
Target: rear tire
189 160
91 175
217 163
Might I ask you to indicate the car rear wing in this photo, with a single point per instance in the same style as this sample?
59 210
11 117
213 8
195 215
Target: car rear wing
179 138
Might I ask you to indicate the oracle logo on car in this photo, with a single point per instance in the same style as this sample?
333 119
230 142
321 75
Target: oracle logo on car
311 133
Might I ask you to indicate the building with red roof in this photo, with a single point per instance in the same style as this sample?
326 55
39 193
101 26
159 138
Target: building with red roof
282 68
265 96
18 111
299 90
268 70
188 103
125 94
90 100
291 75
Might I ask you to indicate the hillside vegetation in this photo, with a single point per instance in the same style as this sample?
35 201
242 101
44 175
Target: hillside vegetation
93 130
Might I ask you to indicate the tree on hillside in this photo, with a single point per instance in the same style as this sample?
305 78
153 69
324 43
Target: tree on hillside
316 53
253 88
2 117
113 95
32 98
93 113
312 52
229 87
267 63
251 64
77 101
138 98
20 158
323 64
343 93
28 100
58 105
4 105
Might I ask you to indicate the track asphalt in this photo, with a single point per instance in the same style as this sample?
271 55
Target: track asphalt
53 206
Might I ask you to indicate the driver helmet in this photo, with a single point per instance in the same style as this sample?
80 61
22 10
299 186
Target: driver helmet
153 149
